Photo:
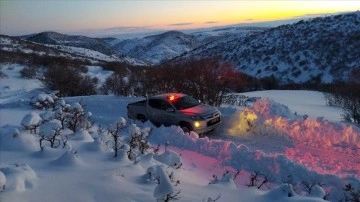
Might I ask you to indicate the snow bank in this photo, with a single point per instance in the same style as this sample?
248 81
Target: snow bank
19 177
241 157
169 158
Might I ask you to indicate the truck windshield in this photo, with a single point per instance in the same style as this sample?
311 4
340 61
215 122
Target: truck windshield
185 102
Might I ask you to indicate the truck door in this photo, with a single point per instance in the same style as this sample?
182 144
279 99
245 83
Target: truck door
158 112
168 114
153 111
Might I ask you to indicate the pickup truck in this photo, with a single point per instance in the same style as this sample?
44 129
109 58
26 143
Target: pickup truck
176 109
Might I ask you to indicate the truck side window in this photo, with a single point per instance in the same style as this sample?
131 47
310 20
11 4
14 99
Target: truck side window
155 103
165 105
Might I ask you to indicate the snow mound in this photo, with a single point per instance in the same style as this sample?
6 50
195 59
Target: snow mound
147 160
98 145
68 159
227 180
164 188
19 177
169 158
317 191
281 193
11 139
82 135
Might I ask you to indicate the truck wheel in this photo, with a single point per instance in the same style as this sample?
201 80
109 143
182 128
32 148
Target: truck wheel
186 127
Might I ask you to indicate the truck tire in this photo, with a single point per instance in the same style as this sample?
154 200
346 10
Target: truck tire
186 127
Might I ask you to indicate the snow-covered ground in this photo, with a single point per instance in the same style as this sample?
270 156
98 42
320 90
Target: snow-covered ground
272 137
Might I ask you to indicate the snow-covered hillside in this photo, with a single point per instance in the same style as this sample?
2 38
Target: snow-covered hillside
271 137
322 49
13 45
55 38
158 48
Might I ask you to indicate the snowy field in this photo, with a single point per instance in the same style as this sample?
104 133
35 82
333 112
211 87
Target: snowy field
272 137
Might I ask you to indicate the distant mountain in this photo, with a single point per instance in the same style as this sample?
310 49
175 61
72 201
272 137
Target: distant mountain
55 38
15 47
321 49
158 48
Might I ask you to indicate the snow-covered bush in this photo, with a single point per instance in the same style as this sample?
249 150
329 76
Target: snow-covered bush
115 130
77 118
137 141
43 101
51 132
170 158
164 191
31 121
227 179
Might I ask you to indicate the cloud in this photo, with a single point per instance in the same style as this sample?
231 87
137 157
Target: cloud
210 22
249 19
181 24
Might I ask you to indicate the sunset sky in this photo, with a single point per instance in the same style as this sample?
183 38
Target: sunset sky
18 17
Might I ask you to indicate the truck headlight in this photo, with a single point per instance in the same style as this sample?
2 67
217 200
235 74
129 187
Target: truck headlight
197 124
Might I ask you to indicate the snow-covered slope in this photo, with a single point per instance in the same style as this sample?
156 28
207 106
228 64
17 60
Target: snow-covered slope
322 49
13 45
266 137
55 38
158 48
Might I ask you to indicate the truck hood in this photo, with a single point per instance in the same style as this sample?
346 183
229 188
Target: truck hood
199 110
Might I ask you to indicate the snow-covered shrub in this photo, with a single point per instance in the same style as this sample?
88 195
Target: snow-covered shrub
43 101
115 130
137 141
164 191
77 118
47 115
170 158
31 121
51 132
283 191
313 187
227 179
